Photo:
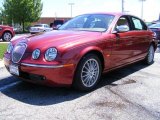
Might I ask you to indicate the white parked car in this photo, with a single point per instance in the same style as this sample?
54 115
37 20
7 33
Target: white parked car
40 28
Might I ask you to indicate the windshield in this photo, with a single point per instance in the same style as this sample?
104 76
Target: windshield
89 22
155 26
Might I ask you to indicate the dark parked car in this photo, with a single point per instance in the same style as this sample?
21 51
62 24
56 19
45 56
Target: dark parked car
81 50
6 32
156 28
56 24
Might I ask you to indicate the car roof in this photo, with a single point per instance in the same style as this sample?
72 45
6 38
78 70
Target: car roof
41 24
117 14
110 13
4 26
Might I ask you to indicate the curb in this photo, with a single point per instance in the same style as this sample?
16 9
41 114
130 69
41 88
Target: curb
1 64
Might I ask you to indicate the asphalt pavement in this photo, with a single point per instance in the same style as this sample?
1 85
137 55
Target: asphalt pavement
130 93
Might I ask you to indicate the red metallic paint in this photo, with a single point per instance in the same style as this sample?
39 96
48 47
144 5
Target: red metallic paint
118 51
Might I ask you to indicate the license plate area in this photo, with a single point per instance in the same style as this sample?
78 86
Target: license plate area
14 69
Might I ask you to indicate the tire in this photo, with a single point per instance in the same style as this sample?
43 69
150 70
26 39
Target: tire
88 73
150 55
7 36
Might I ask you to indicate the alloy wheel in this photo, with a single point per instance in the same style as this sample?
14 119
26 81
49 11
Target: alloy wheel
90 72
7 36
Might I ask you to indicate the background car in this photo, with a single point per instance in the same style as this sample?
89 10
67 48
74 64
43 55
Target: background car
81 50
40 28
17 29
149 23
6 32
156 28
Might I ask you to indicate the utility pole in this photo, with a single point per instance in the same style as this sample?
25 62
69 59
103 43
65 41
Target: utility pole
122 6
55 15
142 8
71 4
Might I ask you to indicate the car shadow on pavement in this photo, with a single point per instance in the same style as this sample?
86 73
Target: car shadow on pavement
39 95
110 77
42 95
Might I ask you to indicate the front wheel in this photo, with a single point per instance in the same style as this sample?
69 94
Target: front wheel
150 56
88 73
7 36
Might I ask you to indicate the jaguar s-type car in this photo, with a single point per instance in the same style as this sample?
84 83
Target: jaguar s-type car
81 50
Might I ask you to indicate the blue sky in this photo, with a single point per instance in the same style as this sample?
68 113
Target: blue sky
60 8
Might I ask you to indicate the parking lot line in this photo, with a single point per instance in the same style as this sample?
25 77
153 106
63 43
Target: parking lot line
9 85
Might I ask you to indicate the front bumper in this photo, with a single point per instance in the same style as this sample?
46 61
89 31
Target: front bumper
52 75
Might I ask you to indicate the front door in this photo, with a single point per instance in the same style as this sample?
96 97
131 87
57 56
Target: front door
123 44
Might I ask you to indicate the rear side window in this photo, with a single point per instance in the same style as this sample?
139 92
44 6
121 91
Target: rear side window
138 24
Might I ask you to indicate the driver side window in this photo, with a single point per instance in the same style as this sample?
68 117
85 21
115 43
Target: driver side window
122 21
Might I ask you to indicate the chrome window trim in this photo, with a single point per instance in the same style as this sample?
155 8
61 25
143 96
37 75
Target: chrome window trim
41 66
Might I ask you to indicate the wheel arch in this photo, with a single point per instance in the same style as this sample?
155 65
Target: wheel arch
154 45
91 50
7 31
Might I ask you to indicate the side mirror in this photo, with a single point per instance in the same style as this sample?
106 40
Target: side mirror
121 28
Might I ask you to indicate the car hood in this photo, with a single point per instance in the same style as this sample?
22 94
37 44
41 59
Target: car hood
61 38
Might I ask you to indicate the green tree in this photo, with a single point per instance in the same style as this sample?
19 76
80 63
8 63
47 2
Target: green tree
22 11
1 16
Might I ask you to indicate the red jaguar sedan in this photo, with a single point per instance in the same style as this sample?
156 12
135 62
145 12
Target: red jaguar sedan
81 50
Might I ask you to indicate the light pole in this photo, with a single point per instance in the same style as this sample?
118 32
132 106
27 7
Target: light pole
122 6
71 4
142 8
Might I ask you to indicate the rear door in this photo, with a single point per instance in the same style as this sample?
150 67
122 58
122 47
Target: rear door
142 37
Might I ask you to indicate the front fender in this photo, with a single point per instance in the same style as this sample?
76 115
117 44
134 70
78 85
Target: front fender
87 50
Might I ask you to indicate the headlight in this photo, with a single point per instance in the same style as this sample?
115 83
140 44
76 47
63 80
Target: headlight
36 54
0 28
51 54
10 47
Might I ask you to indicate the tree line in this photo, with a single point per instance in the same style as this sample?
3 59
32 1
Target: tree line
20 11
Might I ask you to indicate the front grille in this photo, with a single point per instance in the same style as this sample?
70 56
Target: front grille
18 52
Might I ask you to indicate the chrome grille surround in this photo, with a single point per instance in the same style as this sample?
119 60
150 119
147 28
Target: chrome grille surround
18 51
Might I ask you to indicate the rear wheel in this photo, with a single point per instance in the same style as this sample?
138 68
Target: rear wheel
150 56
88 73
7 36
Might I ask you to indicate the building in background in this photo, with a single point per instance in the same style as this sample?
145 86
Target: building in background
49 20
